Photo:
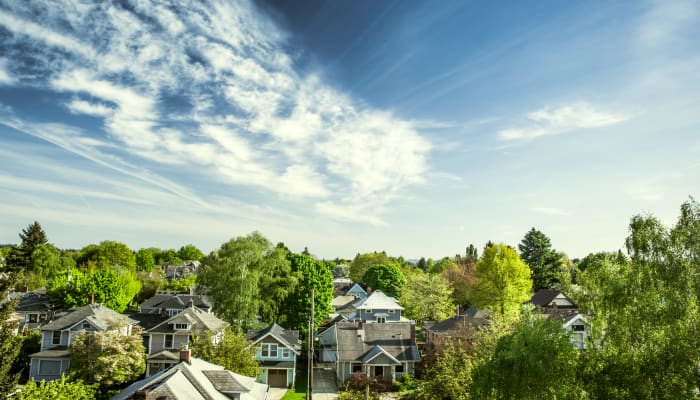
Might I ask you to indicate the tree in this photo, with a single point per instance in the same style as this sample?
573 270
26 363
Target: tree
60 389
144 260
644 312
231 352
442 265
113 287
461 277
546 264
502 280
277 282
182 284
9 349
297 307
108 358
363 262
387 278
427 297
190 252
535 361
471 253
421 264
32 236
108 254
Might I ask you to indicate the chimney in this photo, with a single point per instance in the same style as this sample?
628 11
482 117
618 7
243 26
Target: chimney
413 332
190 303
26 289
141 395
92 299
186 355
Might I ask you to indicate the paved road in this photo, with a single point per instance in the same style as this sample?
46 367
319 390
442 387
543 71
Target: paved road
324 384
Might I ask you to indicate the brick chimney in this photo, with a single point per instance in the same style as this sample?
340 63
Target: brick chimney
413 332
186 355
190 303
92 299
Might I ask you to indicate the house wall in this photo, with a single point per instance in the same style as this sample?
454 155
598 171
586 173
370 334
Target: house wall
258 351
392 315
35 366
158 342
47 339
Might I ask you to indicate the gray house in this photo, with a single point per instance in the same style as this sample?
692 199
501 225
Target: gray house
35 308
377 307
56 337
164 339
276 349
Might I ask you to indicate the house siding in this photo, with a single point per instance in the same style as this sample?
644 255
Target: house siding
34 368
391 315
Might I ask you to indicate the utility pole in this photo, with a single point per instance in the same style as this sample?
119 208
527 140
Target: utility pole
310 378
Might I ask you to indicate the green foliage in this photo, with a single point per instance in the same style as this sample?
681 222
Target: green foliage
190 252
442 265
312 275
645 311
108 254
471 253
9 348
546 264
535 361
108 358
169 257
363 262
277 281
502 280
427 297
28 344
113 287
230 277
461 278
145 260
387 278
32 236
182 284
60 389
150 283
231 352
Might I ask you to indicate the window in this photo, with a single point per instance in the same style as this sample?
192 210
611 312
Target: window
86 325
398 369
285 353
578 328
49 367
182 327
356 368
168 341
391 311
381 320
269 350
56 339
32 317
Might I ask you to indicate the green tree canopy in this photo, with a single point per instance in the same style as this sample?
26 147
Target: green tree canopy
387 278
502 280
461 278
546 264
231 352
113 287
442 265
60 389
427 297
535 361
108 358
144 260
9 348
312 275
108 253
190 252
363 262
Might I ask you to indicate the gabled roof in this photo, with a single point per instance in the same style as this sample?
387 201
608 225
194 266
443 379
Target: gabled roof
355 340
98 315
36 300
174 301
544 298
458 322
565 315
378 301
199 320
289 338
356 288
377 351
196 380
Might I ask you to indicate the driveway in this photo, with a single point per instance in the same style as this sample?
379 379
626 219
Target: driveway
275 393
324 384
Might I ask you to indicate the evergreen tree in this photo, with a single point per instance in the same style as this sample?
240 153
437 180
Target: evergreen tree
546 264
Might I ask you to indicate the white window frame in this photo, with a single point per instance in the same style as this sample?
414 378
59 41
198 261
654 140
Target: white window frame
181 327
381 320
266 350
285 353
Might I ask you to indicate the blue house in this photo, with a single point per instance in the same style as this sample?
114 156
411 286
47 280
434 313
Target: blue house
377 307
276 350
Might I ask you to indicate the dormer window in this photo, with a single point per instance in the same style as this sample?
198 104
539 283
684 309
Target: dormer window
578 328
182 327
86 325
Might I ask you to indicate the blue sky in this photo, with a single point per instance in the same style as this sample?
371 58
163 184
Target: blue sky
347 126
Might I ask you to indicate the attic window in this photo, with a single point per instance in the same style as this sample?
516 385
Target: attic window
182 327
578 328
86 325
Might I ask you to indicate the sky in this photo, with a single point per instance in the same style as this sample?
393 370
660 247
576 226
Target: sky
411 127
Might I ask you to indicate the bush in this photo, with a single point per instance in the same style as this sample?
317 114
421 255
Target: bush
360 382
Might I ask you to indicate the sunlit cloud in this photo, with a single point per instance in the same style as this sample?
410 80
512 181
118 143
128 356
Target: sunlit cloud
566 118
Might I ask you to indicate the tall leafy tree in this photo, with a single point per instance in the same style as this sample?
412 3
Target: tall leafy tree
387 278
297 308
502 280
9 349
113 287
442 265
546 264
277 281
645 312
461 277
427 297
231 352
535 361
190 252
32 236
144 260
108 358
108 253
363 262
59 389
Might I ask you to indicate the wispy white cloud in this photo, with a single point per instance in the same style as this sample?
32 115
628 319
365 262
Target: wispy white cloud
246 115
566 118
666 20
5 77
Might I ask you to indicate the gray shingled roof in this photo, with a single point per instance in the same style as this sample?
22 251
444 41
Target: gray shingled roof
289 338
199 320
99 315
458 322
174 300
37 300
355 340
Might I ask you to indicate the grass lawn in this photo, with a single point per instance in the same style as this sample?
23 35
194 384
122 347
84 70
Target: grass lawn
299 390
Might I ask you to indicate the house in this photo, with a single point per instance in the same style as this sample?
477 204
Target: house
56 337
169 303
195 379
549 298
555 304
382 351
357 291
34 308
175 333
276 350
183 270
377 307
459 326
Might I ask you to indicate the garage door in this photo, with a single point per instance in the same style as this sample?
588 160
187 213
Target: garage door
277 377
